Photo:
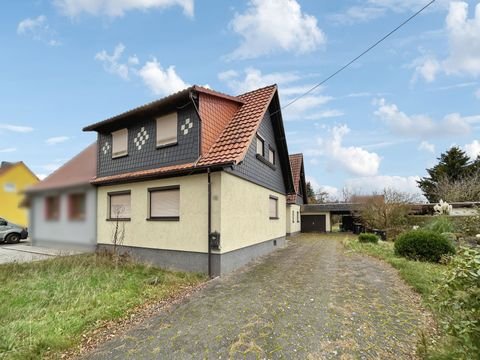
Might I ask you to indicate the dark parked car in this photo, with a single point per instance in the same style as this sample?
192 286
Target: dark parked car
11 233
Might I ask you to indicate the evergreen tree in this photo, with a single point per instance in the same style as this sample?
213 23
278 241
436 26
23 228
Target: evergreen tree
312 199
454 165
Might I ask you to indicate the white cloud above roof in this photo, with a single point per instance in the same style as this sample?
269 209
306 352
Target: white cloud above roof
270 26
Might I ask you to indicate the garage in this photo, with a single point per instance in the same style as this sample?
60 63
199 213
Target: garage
314 223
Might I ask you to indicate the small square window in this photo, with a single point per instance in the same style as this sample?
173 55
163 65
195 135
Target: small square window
52 207
120 205
9 187
271 155
76 206
167 130
298 216
119 143
165 203
293 216
273 210
260 146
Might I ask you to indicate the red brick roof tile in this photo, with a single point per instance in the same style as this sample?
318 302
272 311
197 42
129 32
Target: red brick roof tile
296 161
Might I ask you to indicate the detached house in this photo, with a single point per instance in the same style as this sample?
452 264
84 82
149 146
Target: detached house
299 197
197 180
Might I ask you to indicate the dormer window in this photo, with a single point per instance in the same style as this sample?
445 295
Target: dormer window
119 143
260 146
167 130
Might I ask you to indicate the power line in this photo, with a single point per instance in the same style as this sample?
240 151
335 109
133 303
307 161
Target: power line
359 56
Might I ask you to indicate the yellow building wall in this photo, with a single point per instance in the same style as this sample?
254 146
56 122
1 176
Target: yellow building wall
293 226
245 214
188 234
22 178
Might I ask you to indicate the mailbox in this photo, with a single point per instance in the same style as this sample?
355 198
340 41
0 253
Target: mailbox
215 240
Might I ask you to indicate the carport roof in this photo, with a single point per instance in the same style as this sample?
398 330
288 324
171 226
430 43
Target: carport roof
329 207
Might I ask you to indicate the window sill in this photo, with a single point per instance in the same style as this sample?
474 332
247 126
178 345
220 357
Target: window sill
167 145
119 156
166 218
266 162
120 219
274 218
77 219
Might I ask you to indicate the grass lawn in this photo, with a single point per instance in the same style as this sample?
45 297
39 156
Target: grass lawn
46 306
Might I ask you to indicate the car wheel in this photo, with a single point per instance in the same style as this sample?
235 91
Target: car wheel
12 239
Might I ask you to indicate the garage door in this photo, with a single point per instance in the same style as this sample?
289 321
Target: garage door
314 223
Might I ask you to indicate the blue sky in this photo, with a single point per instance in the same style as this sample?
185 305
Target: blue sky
68 63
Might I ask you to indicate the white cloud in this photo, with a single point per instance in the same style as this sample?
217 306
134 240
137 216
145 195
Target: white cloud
370 184
357 14
41 176
426 146
308 107
423 125
57 140
8 150
16 128
269 26
38 29
473 149
463 45
353 159
111 62
161 81
427 68
116 8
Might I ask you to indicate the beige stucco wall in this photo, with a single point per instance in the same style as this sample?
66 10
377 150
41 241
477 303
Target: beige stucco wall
245 213
292 227
188 234
240 212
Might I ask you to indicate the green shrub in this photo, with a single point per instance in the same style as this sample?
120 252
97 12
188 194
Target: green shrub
469 225
440 225
423 245
457 298
368 238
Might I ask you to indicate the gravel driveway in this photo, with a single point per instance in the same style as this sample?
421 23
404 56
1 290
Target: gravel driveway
311 300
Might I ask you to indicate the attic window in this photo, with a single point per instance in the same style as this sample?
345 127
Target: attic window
271 155
260 145
119 143
167 130
9 187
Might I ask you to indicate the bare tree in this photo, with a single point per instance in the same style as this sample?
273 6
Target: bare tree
387 210
118 232
463 189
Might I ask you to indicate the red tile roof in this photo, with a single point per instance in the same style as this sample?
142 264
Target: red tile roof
80 170
229 125
296 161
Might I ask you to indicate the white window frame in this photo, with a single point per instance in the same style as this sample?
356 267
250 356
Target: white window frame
261 140
271 155
117 136
169 215
164 120
10 187
271 200
127 211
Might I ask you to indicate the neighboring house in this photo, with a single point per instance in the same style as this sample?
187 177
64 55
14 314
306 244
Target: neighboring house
14 179
299 197
63 206
194 168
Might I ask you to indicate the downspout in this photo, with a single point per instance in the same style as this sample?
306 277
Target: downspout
210 275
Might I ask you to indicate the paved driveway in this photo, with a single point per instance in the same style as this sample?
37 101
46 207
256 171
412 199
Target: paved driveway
310 300
24 252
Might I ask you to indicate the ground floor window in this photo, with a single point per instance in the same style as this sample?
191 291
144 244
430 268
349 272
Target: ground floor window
298 216
76 206
52 207
119 205
293 216
165 203
273 207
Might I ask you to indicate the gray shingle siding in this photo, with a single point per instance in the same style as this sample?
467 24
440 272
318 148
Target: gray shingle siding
149 157
254 169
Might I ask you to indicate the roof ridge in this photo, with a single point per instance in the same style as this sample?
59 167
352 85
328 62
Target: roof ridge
259 89
213 92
